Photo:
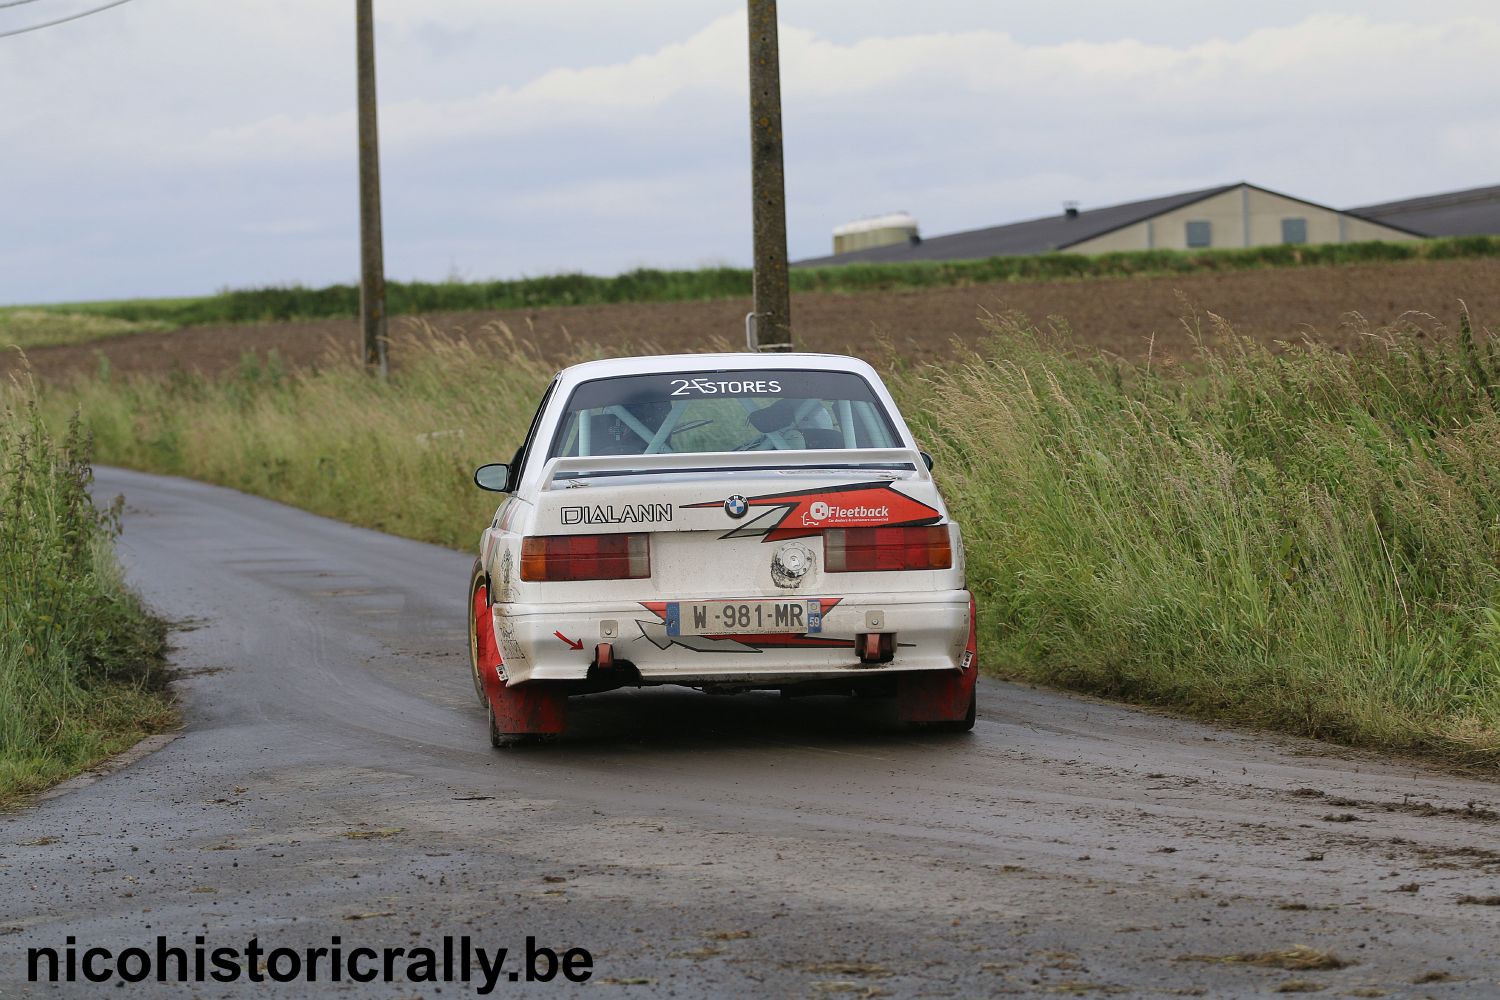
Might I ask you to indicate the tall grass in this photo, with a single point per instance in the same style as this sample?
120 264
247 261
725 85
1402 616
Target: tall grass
395 455
1308 541
77 652
650 285
1305 540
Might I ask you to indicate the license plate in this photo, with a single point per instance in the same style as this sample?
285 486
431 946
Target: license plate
744 617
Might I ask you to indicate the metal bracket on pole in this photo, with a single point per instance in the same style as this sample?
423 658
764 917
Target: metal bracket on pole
752 341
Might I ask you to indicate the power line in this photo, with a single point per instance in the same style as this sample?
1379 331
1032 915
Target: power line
60 20
15 3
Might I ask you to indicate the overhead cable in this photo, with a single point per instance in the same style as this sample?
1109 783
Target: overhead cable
60 20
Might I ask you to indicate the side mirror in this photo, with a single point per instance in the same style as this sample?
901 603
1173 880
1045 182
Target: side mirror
926 458
492 477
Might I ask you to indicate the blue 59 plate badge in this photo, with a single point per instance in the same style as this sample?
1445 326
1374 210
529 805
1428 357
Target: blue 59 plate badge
747 617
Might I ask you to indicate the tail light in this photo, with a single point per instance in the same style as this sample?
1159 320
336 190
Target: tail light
867 550
585 557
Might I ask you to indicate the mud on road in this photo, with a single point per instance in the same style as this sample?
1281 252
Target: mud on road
334 779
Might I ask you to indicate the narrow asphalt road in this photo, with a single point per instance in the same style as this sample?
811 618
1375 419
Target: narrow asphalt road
334 779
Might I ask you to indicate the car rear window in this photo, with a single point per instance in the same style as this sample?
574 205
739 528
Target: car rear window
708 411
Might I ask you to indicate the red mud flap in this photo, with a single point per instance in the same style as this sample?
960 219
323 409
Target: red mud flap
942 697
536 709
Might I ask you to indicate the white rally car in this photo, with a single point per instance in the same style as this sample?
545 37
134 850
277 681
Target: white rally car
728 522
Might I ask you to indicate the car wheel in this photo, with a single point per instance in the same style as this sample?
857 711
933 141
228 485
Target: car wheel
478 605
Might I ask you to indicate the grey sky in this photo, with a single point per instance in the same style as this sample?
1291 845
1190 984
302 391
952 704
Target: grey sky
177 146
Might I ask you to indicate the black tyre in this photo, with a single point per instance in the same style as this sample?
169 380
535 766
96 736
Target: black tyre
478 581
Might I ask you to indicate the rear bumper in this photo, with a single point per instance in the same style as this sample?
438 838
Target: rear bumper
538 643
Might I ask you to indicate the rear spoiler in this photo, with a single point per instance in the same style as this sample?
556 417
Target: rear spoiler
865 459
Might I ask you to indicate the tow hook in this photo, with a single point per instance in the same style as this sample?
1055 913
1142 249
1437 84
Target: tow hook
876 647
604 655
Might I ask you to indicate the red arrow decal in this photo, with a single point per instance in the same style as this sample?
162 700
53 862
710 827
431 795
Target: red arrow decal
859 505
571 643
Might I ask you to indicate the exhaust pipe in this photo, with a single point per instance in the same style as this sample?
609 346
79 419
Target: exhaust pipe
876 647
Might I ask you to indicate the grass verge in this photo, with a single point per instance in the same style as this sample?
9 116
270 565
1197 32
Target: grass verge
1305 540
28 328
273 304
79 657
398 456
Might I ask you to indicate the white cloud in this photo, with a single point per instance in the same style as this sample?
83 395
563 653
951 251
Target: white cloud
593 134
284 227
1336 58
562 97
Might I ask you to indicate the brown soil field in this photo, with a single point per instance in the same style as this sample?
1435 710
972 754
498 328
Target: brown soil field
1126 316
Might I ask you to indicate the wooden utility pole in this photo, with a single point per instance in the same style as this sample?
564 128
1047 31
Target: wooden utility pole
773 305
371 253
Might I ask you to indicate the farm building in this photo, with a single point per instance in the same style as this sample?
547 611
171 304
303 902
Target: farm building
882 230
1475 212
1233 215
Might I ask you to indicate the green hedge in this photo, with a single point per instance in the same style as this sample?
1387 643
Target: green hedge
287 302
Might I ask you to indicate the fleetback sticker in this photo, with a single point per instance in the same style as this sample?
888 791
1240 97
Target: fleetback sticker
820 511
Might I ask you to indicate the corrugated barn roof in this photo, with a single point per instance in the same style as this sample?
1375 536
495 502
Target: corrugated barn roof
1053 232
1474 212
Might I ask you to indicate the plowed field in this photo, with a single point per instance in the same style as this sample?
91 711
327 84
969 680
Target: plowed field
1128 316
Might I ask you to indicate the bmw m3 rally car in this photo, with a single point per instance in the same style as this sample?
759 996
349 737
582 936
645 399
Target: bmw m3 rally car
727 522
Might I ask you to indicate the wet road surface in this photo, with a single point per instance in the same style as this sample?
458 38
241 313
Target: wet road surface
334 779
